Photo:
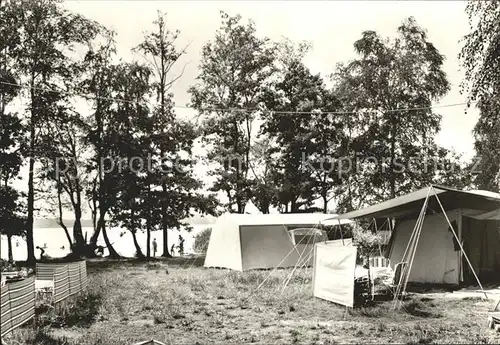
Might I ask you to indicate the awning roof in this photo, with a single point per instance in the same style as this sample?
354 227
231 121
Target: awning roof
410 204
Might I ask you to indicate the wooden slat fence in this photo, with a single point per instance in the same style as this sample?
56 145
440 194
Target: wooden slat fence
61 284
68 278
17 301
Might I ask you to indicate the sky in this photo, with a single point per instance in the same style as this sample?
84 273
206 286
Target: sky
331 26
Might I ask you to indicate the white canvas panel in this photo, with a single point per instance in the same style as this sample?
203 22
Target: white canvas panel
224 246
334 266
435 261
267 246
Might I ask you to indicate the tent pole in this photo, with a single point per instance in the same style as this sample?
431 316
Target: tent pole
376 231
299 261
412 242
460 236
390 241
412 238
420 226
459 243
273 270
405 271
405 259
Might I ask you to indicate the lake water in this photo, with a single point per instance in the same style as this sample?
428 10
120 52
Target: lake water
55 238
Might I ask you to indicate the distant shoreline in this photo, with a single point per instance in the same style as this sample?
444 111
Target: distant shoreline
44 223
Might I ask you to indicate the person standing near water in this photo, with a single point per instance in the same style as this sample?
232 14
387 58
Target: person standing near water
155 247
181 245
172 249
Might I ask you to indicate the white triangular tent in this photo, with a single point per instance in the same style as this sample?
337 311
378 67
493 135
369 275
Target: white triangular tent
445 235
244 241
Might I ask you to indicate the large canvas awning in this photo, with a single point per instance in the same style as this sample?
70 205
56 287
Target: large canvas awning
409 205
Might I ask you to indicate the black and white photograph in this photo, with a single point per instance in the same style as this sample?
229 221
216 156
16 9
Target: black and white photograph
249 171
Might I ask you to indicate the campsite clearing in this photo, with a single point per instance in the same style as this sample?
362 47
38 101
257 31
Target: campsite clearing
130 302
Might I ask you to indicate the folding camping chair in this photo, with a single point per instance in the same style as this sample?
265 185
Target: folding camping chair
398 271
380 271
494 318
379 261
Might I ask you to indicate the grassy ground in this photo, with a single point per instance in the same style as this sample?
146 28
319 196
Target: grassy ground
130 302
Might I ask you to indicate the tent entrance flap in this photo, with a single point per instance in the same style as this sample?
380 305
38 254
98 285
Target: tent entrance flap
481 240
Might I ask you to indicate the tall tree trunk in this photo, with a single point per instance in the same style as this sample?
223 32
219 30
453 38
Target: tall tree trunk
78 235
61 221
148 237
166 253
230 200
95 235
138 249
112 252
162 86
325 203
9 248
31 201
93 210
164 220
102 226
148 225
265 207
77 226
31 177
99 154
349 192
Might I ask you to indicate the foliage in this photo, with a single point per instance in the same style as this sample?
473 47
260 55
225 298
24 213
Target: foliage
300 136
235 68
98 80
390 147
12 132
480 58
366 241
201 240
278 135
264 188
12 207
46 34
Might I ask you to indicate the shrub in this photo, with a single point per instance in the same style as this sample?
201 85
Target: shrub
201 240
366 241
